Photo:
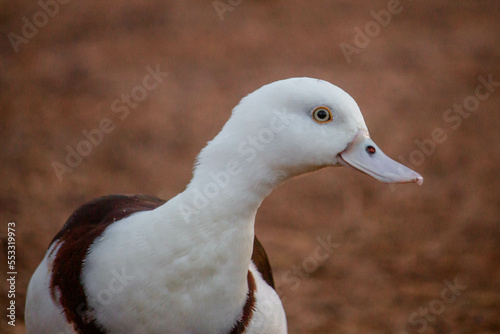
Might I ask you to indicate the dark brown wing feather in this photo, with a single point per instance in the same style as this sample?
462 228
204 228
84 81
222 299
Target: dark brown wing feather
242 324
259 258
86 224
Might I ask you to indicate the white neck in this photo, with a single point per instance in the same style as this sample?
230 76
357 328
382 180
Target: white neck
223 198
214 218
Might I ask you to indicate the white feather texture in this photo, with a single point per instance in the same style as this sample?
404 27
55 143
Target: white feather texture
182 268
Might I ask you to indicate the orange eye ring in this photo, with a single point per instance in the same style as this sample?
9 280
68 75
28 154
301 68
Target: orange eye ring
322 115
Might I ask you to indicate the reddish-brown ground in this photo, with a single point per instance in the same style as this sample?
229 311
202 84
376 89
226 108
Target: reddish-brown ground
398 244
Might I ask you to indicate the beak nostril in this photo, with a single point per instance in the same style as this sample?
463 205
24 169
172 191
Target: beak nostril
371 150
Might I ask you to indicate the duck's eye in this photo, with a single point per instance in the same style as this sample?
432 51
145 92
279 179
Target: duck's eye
322 115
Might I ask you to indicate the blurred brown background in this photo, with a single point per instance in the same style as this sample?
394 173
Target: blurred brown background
400 246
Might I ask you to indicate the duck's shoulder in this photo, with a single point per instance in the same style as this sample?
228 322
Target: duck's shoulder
103 211
72 243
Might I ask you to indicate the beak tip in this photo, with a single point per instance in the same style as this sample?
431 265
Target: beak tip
419 180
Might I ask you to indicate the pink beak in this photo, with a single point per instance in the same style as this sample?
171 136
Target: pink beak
364 155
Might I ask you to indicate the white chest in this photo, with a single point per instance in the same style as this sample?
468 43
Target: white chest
192 287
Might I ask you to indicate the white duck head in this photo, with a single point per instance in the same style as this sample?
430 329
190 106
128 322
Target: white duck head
298 125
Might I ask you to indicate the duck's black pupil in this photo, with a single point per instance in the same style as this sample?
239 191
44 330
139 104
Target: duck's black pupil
370 149
322 114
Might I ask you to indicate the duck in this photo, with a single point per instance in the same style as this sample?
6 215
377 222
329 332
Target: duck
192 264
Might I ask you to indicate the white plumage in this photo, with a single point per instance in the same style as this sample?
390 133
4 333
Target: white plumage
186 266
